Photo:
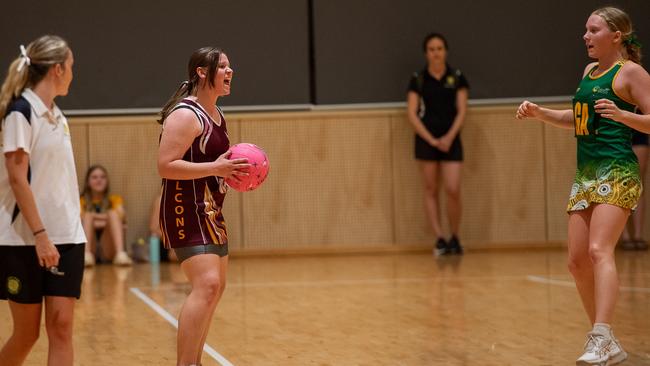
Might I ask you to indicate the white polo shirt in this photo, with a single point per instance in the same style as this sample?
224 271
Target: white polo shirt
45 136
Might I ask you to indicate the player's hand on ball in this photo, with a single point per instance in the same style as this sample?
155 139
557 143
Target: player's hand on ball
231 168
527 109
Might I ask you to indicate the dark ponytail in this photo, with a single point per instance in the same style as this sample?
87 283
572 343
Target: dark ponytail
207 57
182 92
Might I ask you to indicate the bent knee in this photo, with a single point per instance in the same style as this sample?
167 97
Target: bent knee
599 253
430 189
59 328
453 193
212 286
579 262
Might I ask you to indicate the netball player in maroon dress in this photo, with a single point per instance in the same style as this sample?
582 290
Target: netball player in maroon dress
193 162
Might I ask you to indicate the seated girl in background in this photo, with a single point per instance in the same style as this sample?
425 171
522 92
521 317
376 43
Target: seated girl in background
103 220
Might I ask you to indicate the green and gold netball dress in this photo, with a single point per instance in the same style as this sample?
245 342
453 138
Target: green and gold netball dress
608 170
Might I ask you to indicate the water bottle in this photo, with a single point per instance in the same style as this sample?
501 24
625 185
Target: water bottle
154 249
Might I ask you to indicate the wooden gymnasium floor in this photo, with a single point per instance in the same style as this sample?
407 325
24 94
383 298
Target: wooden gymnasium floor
486 308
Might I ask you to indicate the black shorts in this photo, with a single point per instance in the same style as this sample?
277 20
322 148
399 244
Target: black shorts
424 151
639 138
24 281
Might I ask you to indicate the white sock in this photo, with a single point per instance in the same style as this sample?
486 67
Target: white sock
602 328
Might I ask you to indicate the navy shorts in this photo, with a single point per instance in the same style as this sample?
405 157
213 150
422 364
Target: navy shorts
24 281
639 138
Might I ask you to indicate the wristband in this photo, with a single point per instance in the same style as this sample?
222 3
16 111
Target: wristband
38 231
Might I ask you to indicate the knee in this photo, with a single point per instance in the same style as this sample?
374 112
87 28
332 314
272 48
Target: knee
430 189
59 328
87 219
114 216
578 263
599 253
212 286
453 193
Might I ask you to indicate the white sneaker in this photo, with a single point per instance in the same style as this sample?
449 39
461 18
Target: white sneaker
122 259
89 259
601 350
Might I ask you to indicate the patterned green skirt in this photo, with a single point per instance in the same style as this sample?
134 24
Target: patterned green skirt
613 182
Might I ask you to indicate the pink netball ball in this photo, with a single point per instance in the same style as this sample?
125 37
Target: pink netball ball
259 167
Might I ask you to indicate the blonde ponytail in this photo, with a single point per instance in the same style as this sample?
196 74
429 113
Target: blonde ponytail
31 67
632 48
13 85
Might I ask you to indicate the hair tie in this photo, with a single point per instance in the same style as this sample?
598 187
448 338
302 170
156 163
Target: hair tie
632 40
24 59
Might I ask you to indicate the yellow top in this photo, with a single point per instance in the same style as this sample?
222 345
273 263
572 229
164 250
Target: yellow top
114 201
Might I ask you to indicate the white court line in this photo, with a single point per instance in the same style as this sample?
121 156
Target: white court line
548 281
167 316
352 282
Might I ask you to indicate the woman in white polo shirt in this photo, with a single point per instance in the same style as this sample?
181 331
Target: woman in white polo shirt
41 236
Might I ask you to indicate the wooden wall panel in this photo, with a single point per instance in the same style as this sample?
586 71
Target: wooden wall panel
560 156
502 188
329 183
348 179
411 223
79 135
129 151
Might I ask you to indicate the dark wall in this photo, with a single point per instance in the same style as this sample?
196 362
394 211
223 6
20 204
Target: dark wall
367 49
133 54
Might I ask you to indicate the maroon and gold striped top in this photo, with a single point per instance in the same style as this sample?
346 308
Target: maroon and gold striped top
190 210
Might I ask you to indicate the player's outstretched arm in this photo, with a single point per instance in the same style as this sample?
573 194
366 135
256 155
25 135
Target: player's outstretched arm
557 118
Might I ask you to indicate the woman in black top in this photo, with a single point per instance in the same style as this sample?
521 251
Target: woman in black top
437 103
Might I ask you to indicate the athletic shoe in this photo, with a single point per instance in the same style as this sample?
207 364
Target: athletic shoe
89 259
601 350
641 244
454 246
441 248
122 259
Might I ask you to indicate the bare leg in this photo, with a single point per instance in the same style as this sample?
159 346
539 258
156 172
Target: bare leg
89 230
205 275
223 269
451 175
580 264
607 223
27 324
430 179
59 314
116 228
107 244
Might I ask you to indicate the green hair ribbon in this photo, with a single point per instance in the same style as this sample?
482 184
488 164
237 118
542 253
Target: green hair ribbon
632 40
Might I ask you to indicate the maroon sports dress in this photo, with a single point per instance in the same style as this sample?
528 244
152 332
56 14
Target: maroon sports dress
190 210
